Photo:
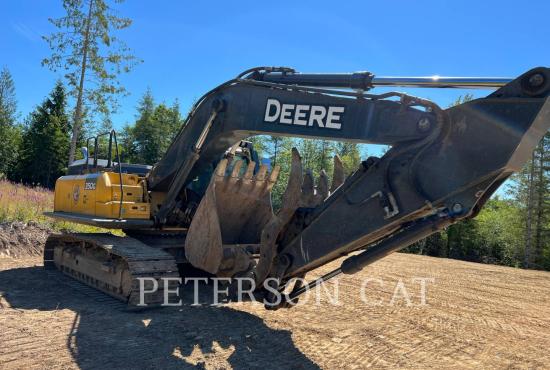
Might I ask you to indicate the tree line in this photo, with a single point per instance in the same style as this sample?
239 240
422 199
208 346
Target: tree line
35 151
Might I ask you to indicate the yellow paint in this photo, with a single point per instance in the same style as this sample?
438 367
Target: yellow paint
98 194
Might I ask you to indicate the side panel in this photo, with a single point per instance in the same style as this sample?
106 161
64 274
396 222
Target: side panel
99 195
70 195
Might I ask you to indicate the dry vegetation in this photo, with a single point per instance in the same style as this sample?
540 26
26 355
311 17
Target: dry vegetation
25 205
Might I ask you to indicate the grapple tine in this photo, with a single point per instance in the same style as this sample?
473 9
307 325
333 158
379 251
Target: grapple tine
292 194
221 168
322 187
236 169
308 185
272 179
250 171
259 185
308 190
290 202
274 174
232 179
260 176
338 175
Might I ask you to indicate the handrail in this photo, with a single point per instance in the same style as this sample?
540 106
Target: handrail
112 135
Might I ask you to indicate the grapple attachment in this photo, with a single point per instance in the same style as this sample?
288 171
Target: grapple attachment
235 220
232 213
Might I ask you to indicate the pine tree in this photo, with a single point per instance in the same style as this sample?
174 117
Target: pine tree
45 142
143 131
92 56
275 144
154 131
127 145
8 102
542 199
9 131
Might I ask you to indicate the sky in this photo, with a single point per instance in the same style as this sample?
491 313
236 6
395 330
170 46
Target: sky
189 47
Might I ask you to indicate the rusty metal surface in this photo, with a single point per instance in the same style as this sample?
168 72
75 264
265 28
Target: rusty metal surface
234 210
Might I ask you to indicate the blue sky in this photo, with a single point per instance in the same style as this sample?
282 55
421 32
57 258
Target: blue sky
188 47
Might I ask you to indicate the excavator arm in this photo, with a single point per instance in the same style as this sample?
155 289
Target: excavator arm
442 166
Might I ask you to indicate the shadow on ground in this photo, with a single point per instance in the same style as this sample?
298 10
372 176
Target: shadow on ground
180 337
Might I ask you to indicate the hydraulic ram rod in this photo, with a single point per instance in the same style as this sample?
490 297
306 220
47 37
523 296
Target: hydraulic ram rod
437 81
365 80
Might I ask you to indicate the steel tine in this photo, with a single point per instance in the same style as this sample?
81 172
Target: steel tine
274 175
232 179
338 175
260 185
308 189
308 185
236 169
322 186
292 194
260 176
250 171
221 168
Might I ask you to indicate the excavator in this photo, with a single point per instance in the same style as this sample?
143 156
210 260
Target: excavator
207 204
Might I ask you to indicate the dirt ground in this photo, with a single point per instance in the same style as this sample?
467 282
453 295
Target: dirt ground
476 316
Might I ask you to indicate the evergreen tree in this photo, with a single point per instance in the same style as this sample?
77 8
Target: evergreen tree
127 147
325 162
45 142
9 131
8 102
542 199
531 192
154 130
275 144
143 131
87 49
